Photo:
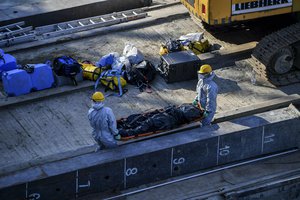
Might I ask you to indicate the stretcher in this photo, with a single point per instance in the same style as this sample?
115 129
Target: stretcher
152 114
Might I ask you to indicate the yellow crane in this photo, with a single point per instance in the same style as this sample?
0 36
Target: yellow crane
277 56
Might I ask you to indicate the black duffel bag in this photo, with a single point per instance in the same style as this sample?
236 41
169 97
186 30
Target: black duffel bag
66 66
141 74
173 45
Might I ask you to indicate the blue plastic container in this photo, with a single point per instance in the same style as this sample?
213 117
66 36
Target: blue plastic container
42 77
7 62
16 82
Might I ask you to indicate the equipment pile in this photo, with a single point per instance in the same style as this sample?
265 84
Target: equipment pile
112 71
191 41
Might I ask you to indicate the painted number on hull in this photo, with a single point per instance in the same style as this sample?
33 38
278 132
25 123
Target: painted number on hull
178 161
224 151
85 185
269 138
131 171
34 196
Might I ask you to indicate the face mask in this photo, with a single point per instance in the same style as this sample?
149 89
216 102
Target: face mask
200 76
97 104
203 76
93 103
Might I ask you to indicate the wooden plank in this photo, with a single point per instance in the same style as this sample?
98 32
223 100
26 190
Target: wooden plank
12 149
229 115
46 143
45 138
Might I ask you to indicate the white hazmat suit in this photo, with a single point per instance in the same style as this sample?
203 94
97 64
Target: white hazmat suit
104 125
207 91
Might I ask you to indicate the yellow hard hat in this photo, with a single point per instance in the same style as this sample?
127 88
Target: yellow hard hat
163 50
98 97
205 69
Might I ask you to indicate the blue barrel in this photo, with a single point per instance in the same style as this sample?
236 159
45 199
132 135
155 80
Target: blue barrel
7 62
42 77
16 82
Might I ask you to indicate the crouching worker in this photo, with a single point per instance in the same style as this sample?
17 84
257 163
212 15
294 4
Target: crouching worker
103 122
207 90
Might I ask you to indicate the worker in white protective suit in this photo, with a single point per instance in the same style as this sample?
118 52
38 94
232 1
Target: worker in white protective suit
207 91
103 122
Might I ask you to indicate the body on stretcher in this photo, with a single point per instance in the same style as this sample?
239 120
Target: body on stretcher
157 121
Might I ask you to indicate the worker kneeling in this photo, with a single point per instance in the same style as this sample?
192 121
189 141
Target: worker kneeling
207 91
103 122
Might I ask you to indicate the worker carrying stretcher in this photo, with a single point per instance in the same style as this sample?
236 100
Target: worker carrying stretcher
207 92
107 131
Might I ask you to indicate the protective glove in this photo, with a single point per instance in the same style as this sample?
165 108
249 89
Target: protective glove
118 137
205 114
195 102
